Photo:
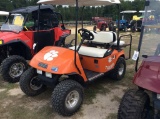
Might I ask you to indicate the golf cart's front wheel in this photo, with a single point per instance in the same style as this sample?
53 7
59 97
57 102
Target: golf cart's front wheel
30 84
67 97
135 104
119 70
13 67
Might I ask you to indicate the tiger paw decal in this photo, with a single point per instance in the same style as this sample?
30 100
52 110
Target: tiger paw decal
49 56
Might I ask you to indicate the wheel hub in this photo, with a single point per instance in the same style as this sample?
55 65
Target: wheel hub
121 69
35 84
72 99
16 70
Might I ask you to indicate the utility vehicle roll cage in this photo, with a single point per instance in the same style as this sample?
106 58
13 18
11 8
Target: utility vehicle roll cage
30 9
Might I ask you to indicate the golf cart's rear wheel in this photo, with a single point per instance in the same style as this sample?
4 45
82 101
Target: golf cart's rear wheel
135 104
30 84
119 70
13 67
67 97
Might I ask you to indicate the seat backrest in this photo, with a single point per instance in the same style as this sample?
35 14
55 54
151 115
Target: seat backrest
104 37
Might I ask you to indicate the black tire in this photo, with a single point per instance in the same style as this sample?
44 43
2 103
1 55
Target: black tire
135 104
103 28
29 83
125 29
13 67
94 28
116 74
60 94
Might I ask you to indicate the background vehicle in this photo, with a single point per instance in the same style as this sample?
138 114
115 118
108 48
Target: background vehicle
124 22
80 64
130 25
135 25
25 32
144 102
123 25
101 22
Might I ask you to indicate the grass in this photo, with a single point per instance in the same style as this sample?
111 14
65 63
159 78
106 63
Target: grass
3 95
112 116
116 98
39 107
93 89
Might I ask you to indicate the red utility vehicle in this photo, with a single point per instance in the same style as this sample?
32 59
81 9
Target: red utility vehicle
101 22
25 32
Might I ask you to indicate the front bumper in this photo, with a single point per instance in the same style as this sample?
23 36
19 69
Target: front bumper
50 82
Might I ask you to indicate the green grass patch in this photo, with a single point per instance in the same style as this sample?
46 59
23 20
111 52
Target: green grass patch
93 89
116 98
112 116
3 95
7 85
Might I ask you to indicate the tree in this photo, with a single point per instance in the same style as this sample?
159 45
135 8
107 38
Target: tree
69 12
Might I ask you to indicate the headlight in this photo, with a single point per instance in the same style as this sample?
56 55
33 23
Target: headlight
48 74
39 71
1 42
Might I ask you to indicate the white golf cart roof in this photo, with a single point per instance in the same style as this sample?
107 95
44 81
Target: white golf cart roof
129 11
4 13
142 11
80 2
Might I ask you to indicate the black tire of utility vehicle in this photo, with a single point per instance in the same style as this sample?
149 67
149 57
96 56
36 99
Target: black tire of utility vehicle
29 83
61 97
135 104
125 29
103 28
119 70
13 67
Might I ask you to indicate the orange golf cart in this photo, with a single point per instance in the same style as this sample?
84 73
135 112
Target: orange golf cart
69 69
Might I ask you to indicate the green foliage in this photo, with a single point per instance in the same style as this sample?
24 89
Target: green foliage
69 12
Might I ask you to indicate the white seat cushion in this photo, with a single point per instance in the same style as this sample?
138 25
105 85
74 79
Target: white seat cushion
120 43
103 37
106 37
90 51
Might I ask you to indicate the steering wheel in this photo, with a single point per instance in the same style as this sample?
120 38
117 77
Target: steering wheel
86 34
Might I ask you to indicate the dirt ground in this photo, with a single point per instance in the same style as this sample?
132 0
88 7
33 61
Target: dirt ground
101 100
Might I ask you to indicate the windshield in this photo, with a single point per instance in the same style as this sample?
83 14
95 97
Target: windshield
14 23
151 33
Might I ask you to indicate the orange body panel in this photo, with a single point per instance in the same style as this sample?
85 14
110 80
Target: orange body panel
101 64
62 59
57 57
